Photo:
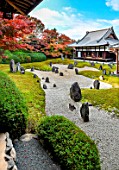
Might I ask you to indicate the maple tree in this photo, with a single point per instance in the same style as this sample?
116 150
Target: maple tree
13 31
51 43
55 44
25 32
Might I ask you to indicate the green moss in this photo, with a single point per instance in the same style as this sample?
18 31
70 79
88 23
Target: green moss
91 74
68 144
107 99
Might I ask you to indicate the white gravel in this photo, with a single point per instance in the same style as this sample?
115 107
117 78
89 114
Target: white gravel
102 128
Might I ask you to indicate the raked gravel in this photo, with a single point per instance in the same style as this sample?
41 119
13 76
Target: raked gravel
102 127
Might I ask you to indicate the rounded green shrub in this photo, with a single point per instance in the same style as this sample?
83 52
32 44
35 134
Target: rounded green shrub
37 56
13 109
68 144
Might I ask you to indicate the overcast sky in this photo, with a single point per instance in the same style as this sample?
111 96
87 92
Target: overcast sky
75 17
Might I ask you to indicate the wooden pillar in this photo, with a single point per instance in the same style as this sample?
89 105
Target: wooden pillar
117 61
104 55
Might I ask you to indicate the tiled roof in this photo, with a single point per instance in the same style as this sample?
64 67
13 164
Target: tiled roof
97 38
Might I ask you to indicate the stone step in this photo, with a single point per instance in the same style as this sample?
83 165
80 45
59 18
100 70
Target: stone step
3 163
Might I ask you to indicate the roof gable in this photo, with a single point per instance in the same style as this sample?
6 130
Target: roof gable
99 37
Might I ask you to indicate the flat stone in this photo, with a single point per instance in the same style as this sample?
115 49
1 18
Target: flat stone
3 163
27 137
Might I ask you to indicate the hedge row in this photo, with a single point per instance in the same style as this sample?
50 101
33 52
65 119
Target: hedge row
23 56
13 109
68 144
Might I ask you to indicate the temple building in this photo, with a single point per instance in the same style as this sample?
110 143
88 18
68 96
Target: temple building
95 45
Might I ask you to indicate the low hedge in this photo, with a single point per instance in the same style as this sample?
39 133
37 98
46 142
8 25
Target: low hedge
23 56
13 109
68 144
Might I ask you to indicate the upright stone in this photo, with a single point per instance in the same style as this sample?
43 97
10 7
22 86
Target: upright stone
75 63
53 69
104 71
75 92
76 71
34 76
18 66
12 65
50 64
100 68
96 84
47 80
32 68
84 110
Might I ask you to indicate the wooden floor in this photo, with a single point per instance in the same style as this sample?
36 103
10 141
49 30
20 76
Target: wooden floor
95 59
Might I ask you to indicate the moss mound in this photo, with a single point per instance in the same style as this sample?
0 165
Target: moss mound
13 110
68 144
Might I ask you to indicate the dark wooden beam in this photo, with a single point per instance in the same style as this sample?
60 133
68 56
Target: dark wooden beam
21 2
20 6
29 2
15 7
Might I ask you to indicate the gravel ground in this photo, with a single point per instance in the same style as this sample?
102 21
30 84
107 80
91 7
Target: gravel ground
32 156
102 127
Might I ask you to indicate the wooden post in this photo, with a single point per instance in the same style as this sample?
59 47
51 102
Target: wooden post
117 61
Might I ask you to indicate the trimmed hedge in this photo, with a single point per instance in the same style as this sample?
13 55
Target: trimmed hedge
68 144
23 56
13 109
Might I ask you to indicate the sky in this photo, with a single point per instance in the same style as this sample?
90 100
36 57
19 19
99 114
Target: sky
74 17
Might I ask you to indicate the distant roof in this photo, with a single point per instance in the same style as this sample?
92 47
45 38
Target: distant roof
97 38
115 46
18 6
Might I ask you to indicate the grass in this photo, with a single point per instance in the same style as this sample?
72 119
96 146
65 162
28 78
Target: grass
44 66
107 99
91 74
113 80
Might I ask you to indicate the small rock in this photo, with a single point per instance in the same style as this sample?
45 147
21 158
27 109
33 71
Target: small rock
13 153
32 68
11 164
44 86
34 76
27 137
72 107
70 66
9 143
61 74
54 85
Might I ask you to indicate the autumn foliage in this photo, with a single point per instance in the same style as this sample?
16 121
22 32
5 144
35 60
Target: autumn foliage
52 43
23 32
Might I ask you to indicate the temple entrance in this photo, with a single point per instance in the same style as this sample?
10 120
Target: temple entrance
113 56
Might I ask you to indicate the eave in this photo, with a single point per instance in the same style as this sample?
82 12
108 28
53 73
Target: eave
23 7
